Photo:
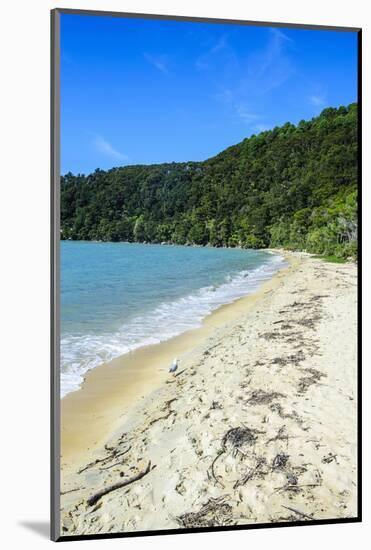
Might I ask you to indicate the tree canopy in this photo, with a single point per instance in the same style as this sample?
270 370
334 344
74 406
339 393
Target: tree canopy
293 186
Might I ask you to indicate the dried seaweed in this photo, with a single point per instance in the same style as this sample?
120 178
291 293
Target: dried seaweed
280 461
309 322
329 458
261 397
270 335
238 437
319 297
307 381
234 439
280 436
216 512
294 359
276 407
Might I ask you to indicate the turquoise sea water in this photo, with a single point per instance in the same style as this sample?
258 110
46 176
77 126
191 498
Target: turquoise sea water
116 297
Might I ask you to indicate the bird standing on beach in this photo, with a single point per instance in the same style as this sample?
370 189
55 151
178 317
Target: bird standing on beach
174 365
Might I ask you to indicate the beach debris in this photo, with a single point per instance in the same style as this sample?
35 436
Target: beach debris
212 467
270 335
317 443
119 462
252 472
297 512
319 297
97 496
291 478
280 436
294 358
309 322
285 325
238 437
181 372
295 488
165 408
297 304
280 461
115 454
215 512
307 381
216 405
71 490
174 365
277 408
318 477
261 397
329 458
235 438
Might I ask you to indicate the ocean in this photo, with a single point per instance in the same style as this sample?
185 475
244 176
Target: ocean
116 297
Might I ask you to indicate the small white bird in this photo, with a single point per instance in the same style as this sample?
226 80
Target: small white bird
174 365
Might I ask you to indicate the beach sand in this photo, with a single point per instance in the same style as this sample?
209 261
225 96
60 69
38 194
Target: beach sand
258 425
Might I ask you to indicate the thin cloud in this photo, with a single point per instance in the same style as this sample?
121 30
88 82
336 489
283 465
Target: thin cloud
203 61
269 68
260 72
240 109
105 147
160 62
317 100
245 113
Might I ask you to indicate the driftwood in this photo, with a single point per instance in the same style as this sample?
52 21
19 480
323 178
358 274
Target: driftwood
119 462
297 512
72 490
106 459
97 496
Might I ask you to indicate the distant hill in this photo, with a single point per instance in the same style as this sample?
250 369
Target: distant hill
293 186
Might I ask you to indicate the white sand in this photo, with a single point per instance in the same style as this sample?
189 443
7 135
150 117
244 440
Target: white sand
285 373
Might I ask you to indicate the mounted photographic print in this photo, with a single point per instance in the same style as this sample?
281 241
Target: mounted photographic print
205 259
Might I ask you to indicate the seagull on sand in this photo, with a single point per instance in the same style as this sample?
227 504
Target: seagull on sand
174 365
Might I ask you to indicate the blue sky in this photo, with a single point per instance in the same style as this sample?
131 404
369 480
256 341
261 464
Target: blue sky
149 91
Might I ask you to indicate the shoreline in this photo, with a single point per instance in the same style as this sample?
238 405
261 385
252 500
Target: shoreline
211 295
247 431
117 385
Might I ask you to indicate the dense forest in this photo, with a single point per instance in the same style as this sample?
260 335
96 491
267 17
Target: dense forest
292 187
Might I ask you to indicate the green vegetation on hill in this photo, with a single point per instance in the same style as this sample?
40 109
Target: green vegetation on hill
292 187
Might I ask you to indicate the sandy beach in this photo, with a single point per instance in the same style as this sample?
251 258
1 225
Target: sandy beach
258 424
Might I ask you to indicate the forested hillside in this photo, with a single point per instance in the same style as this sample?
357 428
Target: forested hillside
293 186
